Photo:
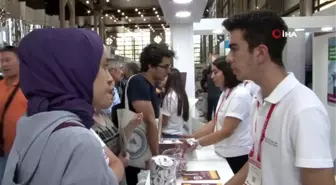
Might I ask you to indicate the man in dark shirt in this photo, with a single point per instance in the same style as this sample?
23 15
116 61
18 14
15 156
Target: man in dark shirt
155 61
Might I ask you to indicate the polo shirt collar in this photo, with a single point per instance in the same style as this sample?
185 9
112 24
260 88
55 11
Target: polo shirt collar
283 88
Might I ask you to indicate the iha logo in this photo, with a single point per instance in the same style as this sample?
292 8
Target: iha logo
277 34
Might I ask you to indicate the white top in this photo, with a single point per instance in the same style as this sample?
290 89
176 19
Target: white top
297 136
237 105
251 86
169 108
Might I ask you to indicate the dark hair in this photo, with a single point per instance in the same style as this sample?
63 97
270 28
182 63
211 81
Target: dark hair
231 80
174 83
133 67
153 54
8 49
258 27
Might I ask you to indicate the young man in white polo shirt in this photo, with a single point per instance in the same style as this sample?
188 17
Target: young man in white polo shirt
291 128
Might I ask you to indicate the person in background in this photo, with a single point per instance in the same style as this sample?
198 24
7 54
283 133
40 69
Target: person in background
130 69
155 62
116 71
291 128
53 143
213 92
175 106
13 103
230 129
112 139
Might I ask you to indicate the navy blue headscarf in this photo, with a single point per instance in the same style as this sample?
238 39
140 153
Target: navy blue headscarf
58 67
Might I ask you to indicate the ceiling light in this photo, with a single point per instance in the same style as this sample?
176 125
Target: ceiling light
118 11
217 31
126 17
156 12
299 29
159 18
88 11
87 2
141 15
183 14
106 15
144 19
154 9
115 20
129 20
123 13
110 17
327 29
107 1
136 9
182 1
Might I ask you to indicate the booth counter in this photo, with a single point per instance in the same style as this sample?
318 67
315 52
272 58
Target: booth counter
205 159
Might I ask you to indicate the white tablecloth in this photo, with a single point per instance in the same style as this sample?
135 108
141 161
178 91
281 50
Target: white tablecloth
206 159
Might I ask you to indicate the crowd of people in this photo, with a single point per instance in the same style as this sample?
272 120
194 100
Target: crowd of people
61 95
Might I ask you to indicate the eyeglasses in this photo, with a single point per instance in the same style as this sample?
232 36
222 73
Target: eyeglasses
166 67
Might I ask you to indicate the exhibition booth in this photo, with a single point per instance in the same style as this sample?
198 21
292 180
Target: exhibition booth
311 42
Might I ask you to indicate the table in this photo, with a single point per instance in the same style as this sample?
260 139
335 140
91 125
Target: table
206 159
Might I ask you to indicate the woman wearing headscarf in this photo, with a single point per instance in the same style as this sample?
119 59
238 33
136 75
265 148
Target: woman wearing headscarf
63 74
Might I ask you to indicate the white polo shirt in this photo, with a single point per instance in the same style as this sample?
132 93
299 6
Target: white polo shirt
297 136
237 105
169 108
251 86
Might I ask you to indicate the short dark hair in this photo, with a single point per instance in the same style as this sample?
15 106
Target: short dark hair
134 67
8 49
257 27
231 80
153 54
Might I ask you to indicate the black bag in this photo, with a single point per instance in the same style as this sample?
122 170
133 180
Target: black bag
2 118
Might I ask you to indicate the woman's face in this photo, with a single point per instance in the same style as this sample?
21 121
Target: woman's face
103 86
217 76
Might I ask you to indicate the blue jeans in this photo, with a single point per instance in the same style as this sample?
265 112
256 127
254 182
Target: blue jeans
3 161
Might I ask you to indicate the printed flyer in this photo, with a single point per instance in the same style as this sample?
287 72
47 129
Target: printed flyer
200 175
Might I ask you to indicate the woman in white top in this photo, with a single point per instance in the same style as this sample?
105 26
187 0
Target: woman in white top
229 131
175 106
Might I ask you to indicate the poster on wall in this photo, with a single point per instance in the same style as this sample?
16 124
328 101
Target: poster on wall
332 71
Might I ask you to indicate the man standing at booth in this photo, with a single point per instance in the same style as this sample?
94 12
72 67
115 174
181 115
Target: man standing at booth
13 103
291 128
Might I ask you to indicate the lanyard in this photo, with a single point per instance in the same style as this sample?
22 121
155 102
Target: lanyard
263 131
222 104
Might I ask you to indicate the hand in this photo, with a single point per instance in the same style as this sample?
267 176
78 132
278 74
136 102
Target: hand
124 158
136 120
188 145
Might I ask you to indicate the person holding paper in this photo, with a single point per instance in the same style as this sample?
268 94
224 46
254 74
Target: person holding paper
230 130
175 106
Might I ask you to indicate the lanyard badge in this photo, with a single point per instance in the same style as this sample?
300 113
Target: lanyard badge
254 176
